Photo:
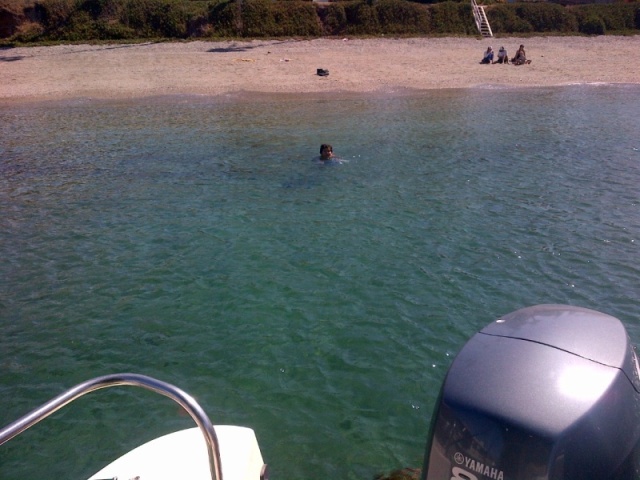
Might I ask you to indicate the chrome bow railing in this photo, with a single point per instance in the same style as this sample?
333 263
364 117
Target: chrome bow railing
185 400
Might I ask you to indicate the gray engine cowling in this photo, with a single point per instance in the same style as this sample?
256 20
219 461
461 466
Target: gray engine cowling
547 392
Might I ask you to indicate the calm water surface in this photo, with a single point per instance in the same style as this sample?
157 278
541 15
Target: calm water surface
195 241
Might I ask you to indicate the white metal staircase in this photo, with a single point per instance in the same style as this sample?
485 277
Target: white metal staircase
481 19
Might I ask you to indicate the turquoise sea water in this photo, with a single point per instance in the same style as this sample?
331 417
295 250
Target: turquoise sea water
195 241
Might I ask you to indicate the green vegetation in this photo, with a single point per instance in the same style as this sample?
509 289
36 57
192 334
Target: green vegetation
27 21
592 19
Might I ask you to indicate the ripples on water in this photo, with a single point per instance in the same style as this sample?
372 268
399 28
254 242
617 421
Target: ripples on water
195 241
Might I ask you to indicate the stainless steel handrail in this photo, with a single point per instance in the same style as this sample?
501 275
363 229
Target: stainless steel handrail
185 400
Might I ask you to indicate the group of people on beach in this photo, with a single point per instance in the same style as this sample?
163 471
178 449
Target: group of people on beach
520 57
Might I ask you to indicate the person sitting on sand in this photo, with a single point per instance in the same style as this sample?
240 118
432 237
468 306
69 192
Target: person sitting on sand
521 57
502 56
488 56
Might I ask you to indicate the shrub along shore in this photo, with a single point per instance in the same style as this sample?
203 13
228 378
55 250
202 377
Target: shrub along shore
41 21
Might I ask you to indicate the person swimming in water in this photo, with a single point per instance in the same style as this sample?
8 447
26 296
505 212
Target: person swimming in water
326 152
327 157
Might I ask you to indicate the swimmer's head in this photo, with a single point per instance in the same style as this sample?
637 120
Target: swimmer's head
326 151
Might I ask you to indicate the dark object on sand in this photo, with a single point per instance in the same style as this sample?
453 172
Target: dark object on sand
323 72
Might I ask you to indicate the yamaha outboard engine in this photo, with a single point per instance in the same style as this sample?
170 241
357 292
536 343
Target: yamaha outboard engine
547 392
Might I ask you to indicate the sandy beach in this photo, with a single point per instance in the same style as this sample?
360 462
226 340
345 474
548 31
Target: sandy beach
383 65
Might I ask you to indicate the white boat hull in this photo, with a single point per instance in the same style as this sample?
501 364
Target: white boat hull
183 455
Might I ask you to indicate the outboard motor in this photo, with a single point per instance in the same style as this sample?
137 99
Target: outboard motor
547 392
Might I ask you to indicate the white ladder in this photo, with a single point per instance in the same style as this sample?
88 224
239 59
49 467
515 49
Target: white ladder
481 19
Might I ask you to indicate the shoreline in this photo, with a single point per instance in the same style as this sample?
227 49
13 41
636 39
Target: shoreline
278 68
